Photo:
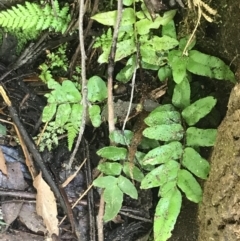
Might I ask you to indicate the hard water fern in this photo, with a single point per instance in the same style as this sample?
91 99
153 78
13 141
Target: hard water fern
172 166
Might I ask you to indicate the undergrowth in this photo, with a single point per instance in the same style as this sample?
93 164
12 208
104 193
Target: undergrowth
173 164
28 21
63 111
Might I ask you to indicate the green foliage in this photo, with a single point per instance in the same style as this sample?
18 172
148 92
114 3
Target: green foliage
64 105
158 52
175 163
28 21
64 108
172 161
114 188
34 17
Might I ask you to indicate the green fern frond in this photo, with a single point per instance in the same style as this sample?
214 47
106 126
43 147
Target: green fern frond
71 133
56 6
34 17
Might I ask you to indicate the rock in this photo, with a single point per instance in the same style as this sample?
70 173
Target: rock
219 212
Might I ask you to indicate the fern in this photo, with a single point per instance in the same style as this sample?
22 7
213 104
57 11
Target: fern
72 131
34 17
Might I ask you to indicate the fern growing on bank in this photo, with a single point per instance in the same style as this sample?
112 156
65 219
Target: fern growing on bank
33 17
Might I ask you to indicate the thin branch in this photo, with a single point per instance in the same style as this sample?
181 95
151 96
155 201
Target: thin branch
131 99
84 83
111 61
100 219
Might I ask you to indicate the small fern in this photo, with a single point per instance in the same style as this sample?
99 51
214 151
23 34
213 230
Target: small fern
34 17
72 131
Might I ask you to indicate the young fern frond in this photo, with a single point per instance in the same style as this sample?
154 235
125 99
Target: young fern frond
35 17
71 133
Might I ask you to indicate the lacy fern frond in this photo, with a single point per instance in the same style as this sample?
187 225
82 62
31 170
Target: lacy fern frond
35 17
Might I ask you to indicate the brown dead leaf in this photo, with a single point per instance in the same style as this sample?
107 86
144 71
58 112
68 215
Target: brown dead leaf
46 205
10 211
15 179
3 166
28 216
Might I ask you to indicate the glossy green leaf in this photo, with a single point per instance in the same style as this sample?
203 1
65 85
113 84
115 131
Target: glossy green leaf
166 107
195 163
113 197
178 64
167 187
139 156
95 116
127 72
163 117
147 143
125 48
110 168
189 185
63 114
161 175
144 25
150 57
113 153
164 73
210 66
169 30
164 153
160 43
59 95
173 132
132 171
127 2
166 213
128 17
200 137
53 84
109 18
72 93
121 137
76 114
181 94
97 89
155 178
127 187
105 182
48 112
200 108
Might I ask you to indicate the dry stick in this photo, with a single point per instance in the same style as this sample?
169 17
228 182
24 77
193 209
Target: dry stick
84 83
100 218
131 99
86 31
111 60
16 193
192 35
